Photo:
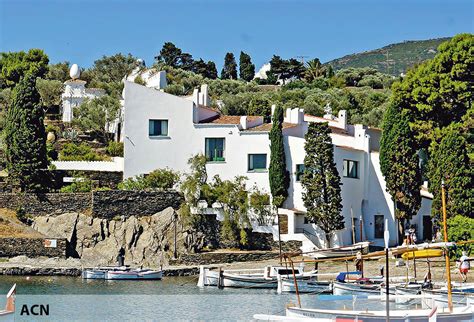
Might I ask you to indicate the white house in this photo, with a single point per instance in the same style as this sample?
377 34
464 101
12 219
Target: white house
163 130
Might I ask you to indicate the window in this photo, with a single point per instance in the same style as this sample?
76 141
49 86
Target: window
158 128
350 169
215 148
379 226
257 162
299 171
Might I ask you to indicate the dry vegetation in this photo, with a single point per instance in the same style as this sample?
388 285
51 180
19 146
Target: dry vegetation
10 226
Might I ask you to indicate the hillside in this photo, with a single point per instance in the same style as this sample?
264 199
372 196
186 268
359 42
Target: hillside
401 56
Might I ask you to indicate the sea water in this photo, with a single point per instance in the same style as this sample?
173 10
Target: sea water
171 299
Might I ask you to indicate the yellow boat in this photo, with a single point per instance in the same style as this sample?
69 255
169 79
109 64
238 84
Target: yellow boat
424 253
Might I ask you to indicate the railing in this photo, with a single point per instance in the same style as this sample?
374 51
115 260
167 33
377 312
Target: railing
312 237
216 155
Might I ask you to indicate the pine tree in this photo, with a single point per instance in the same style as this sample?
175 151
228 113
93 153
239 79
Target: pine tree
321 181
247 69
229 71
399 163
449 161
25 138
278 174
211 70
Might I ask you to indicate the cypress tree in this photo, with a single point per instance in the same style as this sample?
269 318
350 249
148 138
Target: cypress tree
246 68
25 138
449 161
399 163
229 71
321 181
211 70
277 172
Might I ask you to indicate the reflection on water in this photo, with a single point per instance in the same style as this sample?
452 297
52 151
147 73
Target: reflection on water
170 299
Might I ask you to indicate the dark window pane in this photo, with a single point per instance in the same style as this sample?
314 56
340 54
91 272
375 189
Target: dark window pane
378 226
158 127
215 149
299 171
257 162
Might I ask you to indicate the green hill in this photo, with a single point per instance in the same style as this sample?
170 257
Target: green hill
401 56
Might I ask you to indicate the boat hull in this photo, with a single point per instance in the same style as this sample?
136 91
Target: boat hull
134 275
304 286
93 274
460 314
354 289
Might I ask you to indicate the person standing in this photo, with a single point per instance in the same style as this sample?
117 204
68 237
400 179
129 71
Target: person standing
464 266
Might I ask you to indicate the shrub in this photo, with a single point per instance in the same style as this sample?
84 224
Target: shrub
79 185
52 128
78 152
461 228
115 149
139 80
159 179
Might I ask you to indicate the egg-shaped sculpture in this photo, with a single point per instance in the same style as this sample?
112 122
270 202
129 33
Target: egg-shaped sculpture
74 72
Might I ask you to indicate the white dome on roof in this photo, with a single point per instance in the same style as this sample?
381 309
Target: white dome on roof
74 72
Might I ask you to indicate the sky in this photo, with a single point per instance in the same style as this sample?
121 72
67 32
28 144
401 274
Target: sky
81 31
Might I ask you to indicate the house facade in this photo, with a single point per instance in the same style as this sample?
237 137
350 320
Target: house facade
162 130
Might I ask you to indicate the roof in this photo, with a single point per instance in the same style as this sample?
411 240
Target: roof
228 119
337 130
266 127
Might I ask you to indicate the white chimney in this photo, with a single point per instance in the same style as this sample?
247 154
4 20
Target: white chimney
162 80
196 96
342 119
243 122
205 94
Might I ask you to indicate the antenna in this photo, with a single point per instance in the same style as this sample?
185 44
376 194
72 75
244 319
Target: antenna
302 58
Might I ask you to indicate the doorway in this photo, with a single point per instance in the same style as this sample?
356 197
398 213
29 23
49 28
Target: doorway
427 228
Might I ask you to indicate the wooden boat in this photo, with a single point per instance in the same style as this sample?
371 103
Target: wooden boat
339 288
439 297
8 313
100 272
342 251
423 315
424 253
249 278
136 274
287 285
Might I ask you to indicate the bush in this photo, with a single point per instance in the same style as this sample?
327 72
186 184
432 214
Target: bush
139 80
115 149
159 179
79 185
78 152
461 228
53 128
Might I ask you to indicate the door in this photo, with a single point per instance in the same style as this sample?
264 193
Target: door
427 228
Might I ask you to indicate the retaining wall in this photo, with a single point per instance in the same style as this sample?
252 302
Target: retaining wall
33 247
101 204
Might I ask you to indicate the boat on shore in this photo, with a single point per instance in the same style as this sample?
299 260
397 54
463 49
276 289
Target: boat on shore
350 250
250 278
357 288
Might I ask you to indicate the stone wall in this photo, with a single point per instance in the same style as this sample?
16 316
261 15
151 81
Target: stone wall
223 257
102 204
32 247
46 203
112 203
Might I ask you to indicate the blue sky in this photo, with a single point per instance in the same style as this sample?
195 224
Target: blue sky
82 31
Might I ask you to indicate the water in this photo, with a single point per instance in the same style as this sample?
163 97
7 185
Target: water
173 298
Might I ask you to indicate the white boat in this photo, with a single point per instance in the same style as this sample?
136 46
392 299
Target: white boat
249 278
136 274
343 251
422 315
8 313
339 288
100 272
439 297
287 285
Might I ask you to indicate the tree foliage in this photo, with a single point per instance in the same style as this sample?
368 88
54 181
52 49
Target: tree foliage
159 179
278 174
229 71
25 138
399 163
78 152
15 65
95 115
449 161
50 92
246 68
321 181
286 69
